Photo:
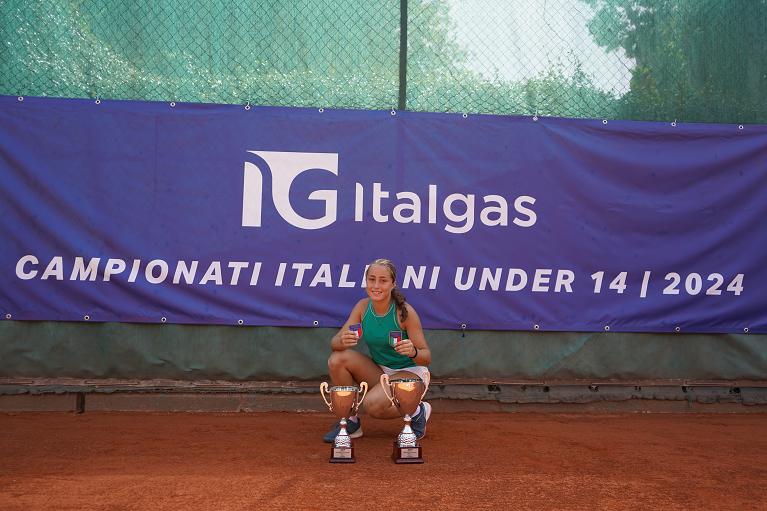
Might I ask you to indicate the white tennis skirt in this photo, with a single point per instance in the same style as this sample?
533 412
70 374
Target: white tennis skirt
421 371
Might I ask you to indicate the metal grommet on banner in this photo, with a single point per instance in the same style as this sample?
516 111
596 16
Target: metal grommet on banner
86 318
463 329
98 101
607 328
673 124
320 110
604 121
240 322
740 126
745 330
20 98
393 112
315 323
247 106
465 115
172 104
163 319
535 118
677 329
536 327
8 316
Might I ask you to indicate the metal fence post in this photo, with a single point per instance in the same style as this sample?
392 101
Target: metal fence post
402 55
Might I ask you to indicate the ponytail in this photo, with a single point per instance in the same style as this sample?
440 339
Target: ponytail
399 302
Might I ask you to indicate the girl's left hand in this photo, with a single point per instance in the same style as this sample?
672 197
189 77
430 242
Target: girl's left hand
405 347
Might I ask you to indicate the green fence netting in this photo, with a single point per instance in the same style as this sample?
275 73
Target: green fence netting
689 60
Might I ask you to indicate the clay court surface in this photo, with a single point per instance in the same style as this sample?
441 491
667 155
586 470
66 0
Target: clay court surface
276 460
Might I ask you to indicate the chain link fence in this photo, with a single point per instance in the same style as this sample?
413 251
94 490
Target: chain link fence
689 60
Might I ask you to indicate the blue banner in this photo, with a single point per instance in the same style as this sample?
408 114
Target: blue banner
190 213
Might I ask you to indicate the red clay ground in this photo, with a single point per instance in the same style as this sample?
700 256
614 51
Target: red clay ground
185 461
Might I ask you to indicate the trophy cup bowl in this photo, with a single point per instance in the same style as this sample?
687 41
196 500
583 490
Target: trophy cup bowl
344 401
406 395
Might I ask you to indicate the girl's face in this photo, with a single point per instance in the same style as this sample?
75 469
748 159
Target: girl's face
379 283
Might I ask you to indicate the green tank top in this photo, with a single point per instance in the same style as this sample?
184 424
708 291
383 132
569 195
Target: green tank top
375 332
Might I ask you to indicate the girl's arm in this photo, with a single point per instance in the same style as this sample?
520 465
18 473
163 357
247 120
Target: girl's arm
416 347
345 338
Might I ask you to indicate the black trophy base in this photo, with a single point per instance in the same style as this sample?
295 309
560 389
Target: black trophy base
407 454
341 454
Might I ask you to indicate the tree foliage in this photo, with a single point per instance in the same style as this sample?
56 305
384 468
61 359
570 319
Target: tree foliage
696 60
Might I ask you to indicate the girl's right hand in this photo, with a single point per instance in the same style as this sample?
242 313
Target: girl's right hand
349 339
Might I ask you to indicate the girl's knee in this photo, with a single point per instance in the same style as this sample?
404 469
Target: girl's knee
337 360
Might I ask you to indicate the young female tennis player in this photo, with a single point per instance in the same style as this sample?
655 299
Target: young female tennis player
383 311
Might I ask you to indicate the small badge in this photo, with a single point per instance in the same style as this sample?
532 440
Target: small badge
395 337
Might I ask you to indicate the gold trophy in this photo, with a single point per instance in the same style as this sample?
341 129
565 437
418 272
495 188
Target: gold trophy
344 402
406 395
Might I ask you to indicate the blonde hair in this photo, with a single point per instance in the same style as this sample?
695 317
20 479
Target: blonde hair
397 296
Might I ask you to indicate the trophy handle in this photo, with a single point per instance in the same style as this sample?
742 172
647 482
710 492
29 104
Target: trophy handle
386 388
425 390
323 390
364 391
